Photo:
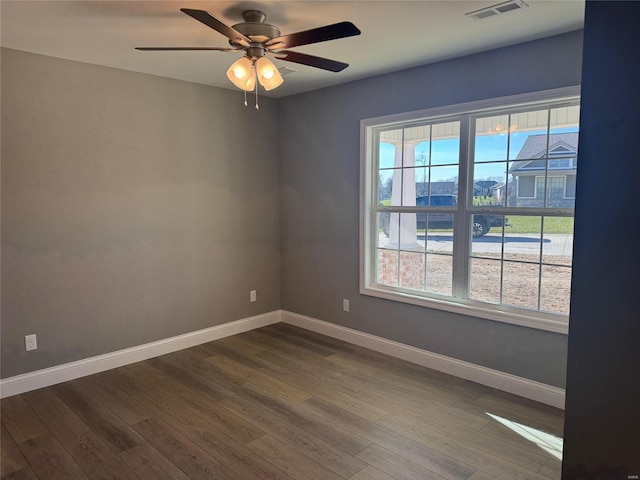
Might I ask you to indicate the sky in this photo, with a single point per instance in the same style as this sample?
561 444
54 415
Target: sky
490 153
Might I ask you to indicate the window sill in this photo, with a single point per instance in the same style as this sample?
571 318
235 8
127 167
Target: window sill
498 313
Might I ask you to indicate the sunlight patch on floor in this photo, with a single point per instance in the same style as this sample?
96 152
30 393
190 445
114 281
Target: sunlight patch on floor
549 443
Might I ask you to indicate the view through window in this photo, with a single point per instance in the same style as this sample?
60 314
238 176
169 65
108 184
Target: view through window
474 208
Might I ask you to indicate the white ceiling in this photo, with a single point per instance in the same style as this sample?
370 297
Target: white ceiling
395 34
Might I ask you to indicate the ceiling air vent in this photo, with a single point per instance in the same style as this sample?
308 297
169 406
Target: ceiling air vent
497 9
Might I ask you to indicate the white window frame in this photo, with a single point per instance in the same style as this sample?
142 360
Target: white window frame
368 222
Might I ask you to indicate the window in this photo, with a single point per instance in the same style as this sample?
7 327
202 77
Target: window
470 208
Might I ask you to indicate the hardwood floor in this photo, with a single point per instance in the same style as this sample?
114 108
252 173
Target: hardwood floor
278 403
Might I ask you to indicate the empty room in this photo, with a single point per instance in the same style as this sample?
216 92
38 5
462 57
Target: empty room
296 240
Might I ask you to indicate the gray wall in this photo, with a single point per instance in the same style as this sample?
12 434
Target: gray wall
602 420
319 180
134 208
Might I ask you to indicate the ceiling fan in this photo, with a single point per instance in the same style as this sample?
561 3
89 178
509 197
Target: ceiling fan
257 39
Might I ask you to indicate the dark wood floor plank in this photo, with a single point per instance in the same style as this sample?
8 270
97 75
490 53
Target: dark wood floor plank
302 418
110 428
253 467
422 387
49 460
21 422
551 469
195 428
170 366
199 405
321 451
295 342
92 454
549 425
472 456
97 460
280 388
55 414
418 453
371 473
123 405
290 461
503 404
324 385
11 458
191 459
23 474
150 464
294 333
396 465
240 343
526 455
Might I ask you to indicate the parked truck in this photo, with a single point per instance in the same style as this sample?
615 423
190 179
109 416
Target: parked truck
481 223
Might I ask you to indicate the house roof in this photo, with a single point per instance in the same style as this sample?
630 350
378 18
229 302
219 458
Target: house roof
485 183
535 145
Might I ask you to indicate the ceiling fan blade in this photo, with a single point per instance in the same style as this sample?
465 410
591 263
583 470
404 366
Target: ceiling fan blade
312 61
162 49
231 33
315 35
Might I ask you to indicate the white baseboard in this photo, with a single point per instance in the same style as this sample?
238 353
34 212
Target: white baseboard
486 376
88 366
523 387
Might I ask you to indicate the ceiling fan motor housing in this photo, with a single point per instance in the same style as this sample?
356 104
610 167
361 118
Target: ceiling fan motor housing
255 28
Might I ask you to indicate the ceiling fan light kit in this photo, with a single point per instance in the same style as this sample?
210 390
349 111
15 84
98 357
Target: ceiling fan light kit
256 39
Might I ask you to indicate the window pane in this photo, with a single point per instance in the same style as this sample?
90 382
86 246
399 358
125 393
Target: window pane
387 267
412 270
384 230
564 120
557 247
445 143
385 187
527 140
440 274
489 184
485 280
440 232
520 284
387 155
522 238
555 289
422 182
491 138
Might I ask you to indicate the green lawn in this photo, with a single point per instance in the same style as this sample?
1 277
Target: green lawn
522 224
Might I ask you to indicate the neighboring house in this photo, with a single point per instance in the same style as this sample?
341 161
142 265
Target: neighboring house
437 188
484 188
528 171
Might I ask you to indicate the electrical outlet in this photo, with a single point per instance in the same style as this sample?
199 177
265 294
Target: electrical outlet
30 342
252 296
345 304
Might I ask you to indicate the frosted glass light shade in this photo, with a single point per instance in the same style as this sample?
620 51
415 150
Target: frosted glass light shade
268 75
241 74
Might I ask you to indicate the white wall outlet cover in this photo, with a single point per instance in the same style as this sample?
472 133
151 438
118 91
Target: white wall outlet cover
252 296
345 304
30 342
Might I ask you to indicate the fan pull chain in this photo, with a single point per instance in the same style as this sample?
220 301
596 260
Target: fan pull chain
245 98
257 106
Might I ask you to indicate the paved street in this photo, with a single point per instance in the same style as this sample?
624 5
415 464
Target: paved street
521 243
